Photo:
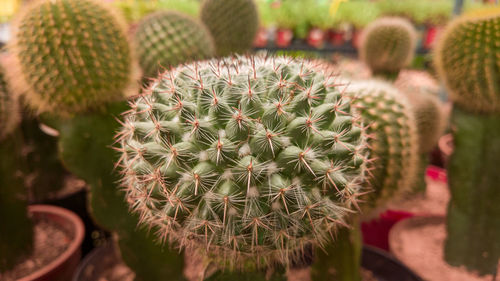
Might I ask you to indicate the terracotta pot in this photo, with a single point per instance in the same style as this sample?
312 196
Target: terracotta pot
283 37
316 38
445 145
261 38
336 37
62 268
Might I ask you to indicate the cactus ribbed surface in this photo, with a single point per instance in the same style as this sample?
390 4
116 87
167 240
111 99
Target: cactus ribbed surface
393 139
426 108
388 44
70 55
9 109
251 158
467 59
166 39
233 24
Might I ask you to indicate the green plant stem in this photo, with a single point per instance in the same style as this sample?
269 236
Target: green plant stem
16 233
341 259
473 222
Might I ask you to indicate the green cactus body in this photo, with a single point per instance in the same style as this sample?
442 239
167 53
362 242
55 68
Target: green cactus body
388 45
393 139
9 109
166 39
233 24
70 55
84 149
473 211
16 234
467 59
251 159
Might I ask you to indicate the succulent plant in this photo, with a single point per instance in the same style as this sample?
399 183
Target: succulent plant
166 39
466 59
426 107
393 139
70 55
388 44
250 158
233 24
9 109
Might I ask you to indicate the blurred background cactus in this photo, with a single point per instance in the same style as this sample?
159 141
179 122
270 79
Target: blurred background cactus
249 160
467 59
233 24
388 45
166 39
71 71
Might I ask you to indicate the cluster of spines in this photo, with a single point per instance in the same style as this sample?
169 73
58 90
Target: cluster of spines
167 38
388 44
393 139
9 111
233 24
467 59
251 158
70 55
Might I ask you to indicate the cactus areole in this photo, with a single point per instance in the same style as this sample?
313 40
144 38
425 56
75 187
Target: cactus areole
252 159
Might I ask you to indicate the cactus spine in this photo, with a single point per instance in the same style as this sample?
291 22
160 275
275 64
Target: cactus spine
467 58
233 24
393 139
170 38
387 45
70 55
250 158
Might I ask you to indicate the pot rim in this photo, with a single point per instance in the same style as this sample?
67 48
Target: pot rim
74 245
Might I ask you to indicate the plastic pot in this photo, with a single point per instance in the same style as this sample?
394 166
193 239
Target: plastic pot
336 37
283 37
316 38
261 38
63 267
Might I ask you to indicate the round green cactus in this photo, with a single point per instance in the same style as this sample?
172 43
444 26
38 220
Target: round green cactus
393 139
9 109
233 24
425 105
388 44
250 158
170 38
70 55
467 60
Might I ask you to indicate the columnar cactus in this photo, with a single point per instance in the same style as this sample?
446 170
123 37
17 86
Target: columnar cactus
9 109
166 39
70 55
467 60
393 139
468 57
387 45
233 24
250 158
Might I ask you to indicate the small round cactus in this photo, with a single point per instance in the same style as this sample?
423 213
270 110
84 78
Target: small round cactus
166 39
393 139
233 24
250 158
467 60
70 55
421 91
9 110
388 44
